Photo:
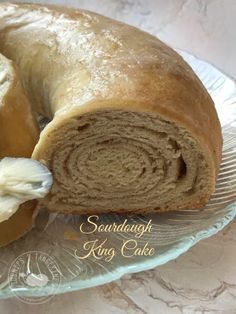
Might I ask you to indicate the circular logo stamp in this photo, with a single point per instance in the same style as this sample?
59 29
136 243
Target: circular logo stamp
34 270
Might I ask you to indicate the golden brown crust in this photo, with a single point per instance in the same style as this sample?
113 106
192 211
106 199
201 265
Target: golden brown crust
19 131
180 97
18 224
19 134
92 63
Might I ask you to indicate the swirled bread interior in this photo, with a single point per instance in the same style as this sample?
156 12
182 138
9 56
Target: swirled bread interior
124 161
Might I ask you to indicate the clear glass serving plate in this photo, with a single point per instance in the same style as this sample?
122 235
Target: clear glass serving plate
59 236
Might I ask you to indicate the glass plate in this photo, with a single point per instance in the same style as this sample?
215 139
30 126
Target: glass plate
172 234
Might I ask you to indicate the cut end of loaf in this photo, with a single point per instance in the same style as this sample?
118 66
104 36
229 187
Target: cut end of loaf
124 161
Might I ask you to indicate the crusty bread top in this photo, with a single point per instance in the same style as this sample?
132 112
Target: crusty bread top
19 131
81 57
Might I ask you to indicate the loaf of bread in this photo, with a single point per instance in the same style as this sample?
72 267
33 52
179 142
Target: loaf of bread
19 134
132 127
